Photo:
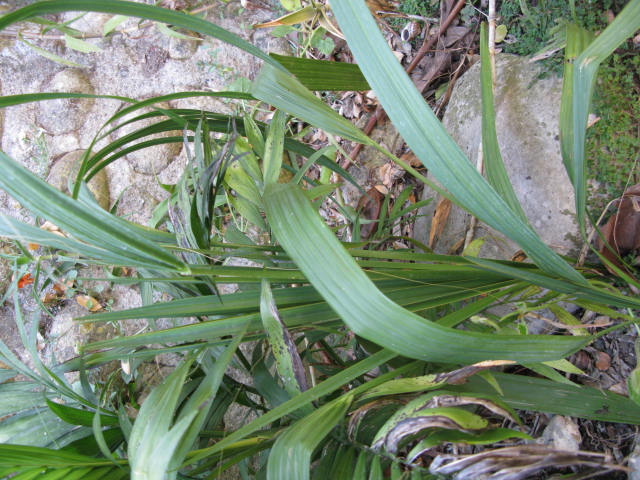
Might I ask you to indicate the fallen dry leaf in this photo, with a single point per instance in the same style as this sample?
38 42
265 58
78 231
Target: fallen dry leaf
389 173
369 207
439 220
519 256
52 228
456 248
380 7
50 298
516 463
603 361
411 159
89 303
26 279
622 231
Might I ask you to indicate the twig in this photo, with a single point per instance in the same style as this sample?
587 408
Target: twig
452 82
492 42
568 327
429 41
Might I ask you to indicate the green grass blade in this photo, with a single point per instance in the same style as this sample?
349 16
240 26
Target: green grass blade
25 456
626 23
285 92
201 401
94 226
428 139
290 457
323 75
494 165
538 394
577 40
11 100
371 314
130 9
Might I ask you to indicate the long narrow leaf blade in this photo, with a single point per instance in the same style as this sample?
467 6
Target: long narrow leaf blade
426 136
323 75
586 67
285 92
290 457
494 166
95 226
371 314
577 39
139 10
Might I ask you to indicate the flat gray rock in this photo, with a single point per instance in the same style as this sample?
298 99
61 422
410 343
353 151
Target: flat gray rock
527 112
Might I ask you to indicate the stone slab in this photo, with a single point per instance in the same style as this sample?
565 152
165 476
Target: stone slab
527 111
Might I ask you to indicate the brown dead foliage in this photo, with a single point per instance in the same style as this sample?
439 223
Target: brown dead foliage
622 232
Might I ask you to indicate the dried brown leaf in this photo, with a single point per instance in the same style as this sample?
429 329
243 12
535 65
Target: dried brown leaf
603 361
89 303
457 400
413 425
358 415
622 231
515 463
519 256
439 220
369 207
411 159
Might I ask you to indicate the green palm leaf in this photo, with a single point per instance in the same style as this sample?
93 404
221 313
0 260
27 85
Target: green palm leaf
139 10
368 312
584 74
426 136
290 457
98 228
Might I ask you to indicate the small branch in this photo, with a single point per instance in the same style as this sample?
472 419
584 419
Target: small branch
429 41
492 42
